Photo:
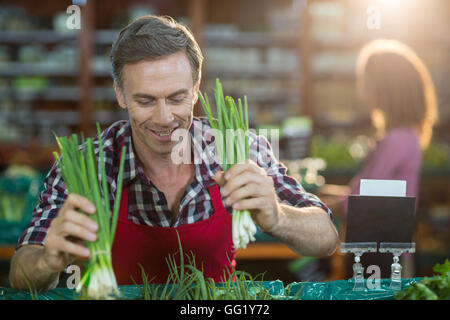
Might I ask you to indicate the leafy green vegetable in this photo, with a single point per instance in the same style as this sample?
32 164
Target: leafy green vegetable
429 288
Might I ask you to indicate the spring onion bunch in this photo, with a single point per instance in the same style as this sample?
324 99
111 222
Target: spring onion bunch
231 129
79 171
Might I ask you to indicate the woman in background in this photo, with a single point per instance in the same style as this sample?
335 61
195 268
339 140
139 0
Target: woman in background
394 83
396 87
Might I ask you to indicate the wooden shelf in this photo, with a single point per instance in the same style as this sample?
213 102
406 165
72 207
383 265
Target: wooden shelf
239 39
266 250
36 36
16 69
107 37
69 117
260 72
101 37
88 72
57 94
243 39
6 252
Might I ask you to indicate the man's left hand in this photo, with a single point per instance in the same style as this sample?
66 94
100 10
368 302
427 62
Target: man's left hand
246 186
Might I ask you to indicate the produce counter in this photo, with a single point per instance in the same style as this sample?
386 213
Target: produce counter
333 290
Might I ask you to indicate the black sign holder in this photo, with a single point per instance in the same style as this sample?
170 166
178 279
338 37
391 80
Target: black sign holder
379 220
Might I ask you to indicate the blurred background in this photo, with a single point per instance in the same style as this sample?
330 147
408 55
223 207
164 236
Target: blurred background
294 59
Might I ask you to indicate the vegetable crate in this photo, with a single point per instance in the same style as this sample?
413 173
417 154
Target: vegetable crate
18 196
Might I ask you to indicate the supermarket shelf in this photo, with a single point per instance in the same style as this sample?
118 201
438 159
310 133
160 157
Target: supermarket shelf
242 39
259 72
102 37
352 44
36 36
15 69
236 39
107 37
108 94
67 117
334 76
57 94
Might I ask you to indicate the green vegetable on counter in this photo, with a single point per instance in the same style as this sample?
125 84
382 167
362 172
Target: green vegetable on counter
187 282
79 171
429 288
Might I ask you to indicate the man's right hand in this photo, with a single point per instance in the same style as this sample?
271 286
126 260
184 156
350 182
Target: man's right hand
67 231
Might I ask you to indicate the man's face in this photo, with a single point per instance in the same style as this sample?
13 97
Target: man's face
160 96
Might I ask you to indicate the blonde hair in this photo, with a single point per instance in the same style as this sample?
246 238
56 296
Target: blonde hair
398 87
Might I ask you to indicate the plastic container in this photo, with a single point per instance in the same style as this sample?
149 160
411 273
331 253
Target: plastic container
10 231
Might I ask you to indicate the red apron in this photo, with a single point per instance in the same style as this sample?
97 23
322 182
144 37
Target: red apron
209 240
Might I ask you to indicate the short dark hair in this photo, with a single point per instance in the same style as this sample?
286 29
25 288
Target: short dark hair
151 37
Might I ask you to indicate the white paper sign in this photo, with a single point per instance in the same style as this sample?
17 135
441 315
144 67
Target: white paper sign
382 188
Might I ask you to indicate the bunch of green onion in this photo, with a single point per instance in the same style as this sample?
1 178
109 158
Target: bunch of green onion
231 132
79 170
187 282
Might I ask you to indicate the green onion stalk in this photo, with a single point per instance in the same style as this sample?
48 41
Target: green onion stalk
78 167
231 134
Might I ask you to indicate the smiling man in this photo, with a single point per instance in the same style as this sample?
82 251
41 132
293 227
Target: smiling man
157 70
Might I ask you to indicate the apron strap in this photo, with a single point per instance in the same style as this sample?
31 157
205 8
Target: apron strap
214 193
123 207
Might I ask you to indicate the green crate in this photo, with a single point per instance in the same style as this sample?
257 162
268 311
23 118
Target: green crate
29 188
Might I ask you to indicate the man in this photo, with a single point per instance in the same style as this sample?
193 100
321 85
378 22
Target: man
157 70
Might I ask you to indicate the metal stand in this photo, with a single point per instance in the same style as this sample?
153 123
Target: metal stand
397 249
358 249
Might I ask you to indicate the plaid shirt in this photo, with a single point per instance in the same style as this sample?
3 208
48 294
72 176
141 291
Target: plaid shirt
146 204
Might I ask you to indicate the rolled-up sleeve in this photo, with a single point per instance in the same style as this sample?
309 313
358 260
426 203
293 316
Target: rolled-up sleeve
51 200
288 189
